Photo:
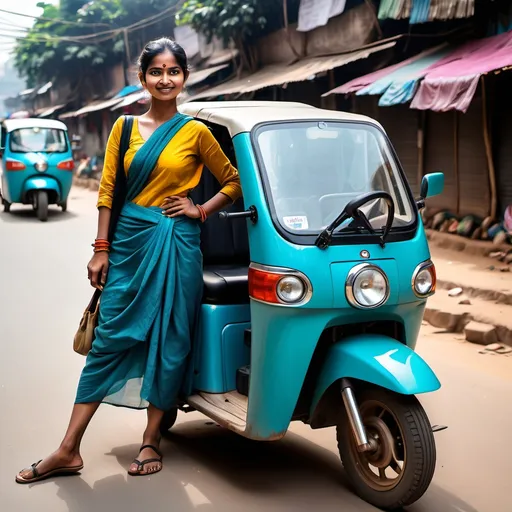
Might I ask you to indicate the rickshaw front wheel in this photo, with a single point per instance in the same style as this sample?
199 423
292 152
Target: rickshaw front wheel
7 206
42 205
399 471
168 420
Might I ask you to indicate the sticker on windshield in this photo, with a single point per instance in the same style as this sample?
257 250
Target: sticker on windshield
296 222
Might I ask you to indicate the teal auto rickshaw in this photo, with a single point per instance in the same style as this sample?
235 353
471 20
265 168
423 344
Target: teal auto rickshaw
314 293
36 164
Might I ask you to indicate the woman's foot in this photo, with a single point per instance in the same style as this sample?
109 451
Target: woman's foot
149 460
59 462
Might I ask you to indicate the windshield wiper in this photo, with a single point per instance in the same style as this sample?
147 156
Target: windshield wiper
352 211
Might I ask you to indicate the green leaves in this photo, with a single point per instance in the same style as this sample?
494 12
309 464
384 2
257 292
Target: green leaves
228 19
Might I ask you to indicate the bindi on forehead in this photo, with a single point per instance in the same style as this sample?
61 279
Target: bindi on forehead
164 65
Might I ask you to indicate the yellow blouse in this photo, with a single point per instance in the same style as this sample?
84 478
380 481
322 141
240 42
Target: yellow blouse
178 169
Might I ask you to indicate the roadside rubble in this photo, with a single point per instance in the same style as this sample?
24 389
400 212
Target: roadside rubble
473 297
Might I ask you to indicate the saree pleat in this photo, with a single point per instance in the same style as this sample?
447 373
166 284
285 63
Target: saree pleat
147 312
151 299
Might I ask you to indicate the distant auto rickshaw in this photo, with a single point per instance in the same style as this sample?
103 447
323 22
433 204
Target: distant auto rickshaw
36 164
313 304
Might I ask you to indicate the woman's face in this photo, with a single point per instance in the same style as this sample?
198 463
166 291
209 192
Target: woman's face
164 78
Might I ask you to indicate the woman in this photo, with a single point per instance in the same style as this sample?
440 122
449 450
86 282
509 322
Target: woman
154 287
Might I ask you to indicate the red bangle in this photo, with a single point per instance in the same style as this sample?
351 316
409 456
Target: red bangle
202 211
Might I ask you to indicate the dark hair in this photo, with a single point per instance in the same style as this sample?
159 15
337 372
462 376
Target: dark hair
158 46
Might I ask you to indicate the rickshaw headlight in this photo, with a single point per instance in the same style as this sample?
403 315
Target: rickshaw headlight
367 286
291 289
41 166
424 279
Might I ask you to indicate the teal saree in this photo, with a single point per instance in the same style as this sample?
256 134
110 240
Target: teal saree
151 299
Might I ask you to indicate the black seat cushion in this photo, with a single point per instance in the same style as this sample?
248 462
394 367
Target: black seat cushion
226 284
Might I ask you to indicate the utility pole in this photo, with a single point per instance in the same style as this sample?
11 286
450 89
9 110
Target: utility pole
127 57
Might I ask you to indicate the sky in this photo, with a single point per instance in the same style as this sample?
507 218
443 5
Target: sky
18 6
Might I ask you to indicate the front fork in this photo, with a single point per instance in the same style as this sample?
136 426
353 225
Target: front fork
363 442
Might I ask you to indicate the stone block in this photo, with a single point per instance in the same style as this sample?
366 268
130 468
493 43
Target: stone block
482 334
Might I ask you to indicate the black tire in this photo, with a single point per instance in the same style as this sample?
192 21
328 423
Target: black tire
168 420
64 206
7 206
411 442
42 205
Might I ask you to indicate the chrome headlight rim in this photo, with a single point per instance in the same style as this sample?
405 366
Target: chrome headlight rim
423 266
349 285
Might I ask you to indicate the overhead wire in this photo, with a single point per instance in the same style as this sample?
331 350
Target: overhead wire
64 22
96 38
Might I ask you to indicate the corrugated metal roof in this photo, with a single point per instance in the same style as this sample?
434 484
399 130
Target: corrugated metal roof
45 88
222 56
131 99
197 77
279 74
49 111
98 105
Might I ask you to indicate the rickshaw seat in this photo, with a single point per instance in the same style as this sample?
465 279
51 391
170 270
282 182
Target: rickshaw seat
226 284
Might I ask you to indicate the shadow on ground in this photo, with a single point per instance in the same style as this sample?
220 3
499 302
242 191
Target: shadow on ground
27 214
207 468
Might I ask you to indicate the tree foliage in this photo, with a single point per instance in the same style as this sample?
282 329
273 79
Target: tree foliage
53 50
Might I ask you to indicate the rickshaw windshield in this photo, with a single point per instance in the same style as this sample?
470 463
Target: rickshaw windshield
313 169
38 140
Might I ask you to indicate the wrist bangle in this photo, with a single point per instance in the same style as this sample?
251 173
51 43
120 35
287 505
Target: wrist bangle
202 212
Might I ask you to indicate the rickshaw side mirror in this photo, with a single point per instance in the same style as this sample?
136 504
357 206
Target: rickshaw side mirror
432 185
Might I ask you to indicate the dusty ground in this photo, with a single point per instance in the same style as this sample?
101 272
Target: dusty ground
43 292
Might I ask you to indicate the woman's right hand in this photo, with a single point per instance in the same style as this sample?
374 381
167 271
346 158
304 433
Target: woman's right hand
97 269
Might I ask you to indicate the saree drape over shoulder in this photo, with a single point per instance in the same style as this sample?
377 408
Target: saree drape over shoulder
151 299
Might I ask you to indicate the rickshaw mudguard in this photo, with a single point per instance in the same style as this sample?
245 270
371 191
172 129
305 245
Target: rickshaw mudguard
379 360
41 183
283 343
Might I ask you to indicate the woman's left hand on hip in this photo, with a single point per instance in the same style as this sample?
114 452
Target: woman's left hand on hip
176 206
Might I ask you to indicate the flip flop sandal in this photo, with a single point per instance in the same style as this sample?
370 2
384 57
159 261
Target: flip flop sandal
141 464
36 476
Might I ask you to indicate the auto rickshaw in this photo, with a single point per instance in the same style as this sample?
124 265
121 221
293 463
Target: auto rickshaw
36 164
314 292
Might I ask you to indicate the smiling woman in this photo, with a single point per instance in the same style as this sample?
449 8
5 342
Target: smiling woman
152 257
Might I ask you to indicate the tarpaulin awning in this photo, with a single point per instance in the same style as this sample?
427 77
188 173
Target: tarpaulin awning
363 81
400 85
279 74
131 99
197 77
421 11
98 105
129 89
451 83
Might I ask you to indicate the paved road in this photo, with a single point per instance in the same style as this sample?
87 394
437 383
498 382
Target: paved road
42 293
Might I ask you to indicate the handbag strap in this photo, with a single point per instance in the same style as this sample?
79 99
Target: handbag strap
120 188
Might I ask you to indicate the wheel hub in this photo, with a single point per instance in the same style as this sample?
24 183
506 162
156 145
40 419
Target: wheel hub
379 432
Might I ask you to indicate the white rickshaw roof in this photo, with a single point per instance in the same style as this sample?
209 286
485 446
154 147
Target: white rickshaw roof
243 116
16 124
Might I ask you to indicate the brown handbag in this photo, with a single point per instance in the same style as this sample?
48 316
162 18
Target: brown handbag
84 336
